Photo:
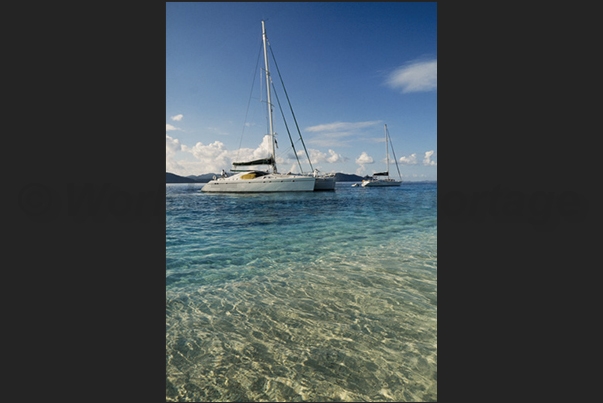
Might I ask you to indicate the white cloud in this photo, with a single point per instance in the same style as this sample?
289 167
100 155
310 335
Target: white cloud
214 157
265 148
339 126
337 134
169 127
335 157
361 171
410 160
174 167
316 156
324 140
364 159
294 168
172 146
208 158
415 76
427 160
413 160
201 151
177 118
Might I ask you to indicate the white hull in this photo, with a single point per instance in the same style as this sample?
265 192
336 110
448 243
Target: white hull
325 183
380 182
241 183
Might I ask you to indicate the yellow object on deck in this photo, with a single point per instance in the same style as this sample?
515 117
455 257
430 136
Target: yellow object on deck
248 176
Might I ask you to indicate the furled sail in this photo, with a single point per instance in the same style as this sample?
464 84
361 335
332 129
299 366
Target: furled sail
381 174
263 161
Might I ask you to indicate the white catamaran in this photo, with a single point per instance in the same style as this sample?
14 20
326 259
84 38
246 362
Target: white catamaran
374 182
254 181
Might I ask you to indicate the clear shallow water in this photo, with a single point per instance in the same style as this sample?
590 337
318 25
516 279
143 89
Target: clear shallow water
318 296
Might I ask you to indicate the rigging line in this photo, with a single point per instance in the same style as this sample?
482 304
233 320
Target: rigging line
287 127
286 95
395 159
249 100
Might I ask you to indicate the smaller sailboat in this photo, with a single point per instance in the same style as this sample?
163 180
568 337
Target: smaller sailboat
385 180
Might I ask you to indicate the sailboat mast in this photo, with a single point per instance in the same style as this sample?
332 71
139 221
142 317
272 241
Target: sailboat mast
269 100
387 152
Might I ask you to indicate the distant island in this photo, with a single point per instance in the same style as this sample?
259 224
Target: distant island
341 177
173 178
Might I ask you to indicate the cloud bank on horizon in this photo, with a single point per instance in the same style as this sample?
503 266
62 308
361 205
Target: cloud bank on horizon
211 158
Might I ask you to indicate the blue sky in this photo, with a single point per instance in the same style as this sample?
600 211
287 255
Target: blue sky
349 68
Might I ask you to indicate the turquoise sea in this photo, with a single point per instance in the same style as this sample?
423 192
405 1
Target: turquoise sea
313 296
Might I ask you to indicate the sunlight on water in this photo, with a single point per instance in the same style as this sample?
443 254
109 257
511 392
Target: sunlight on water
316 297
